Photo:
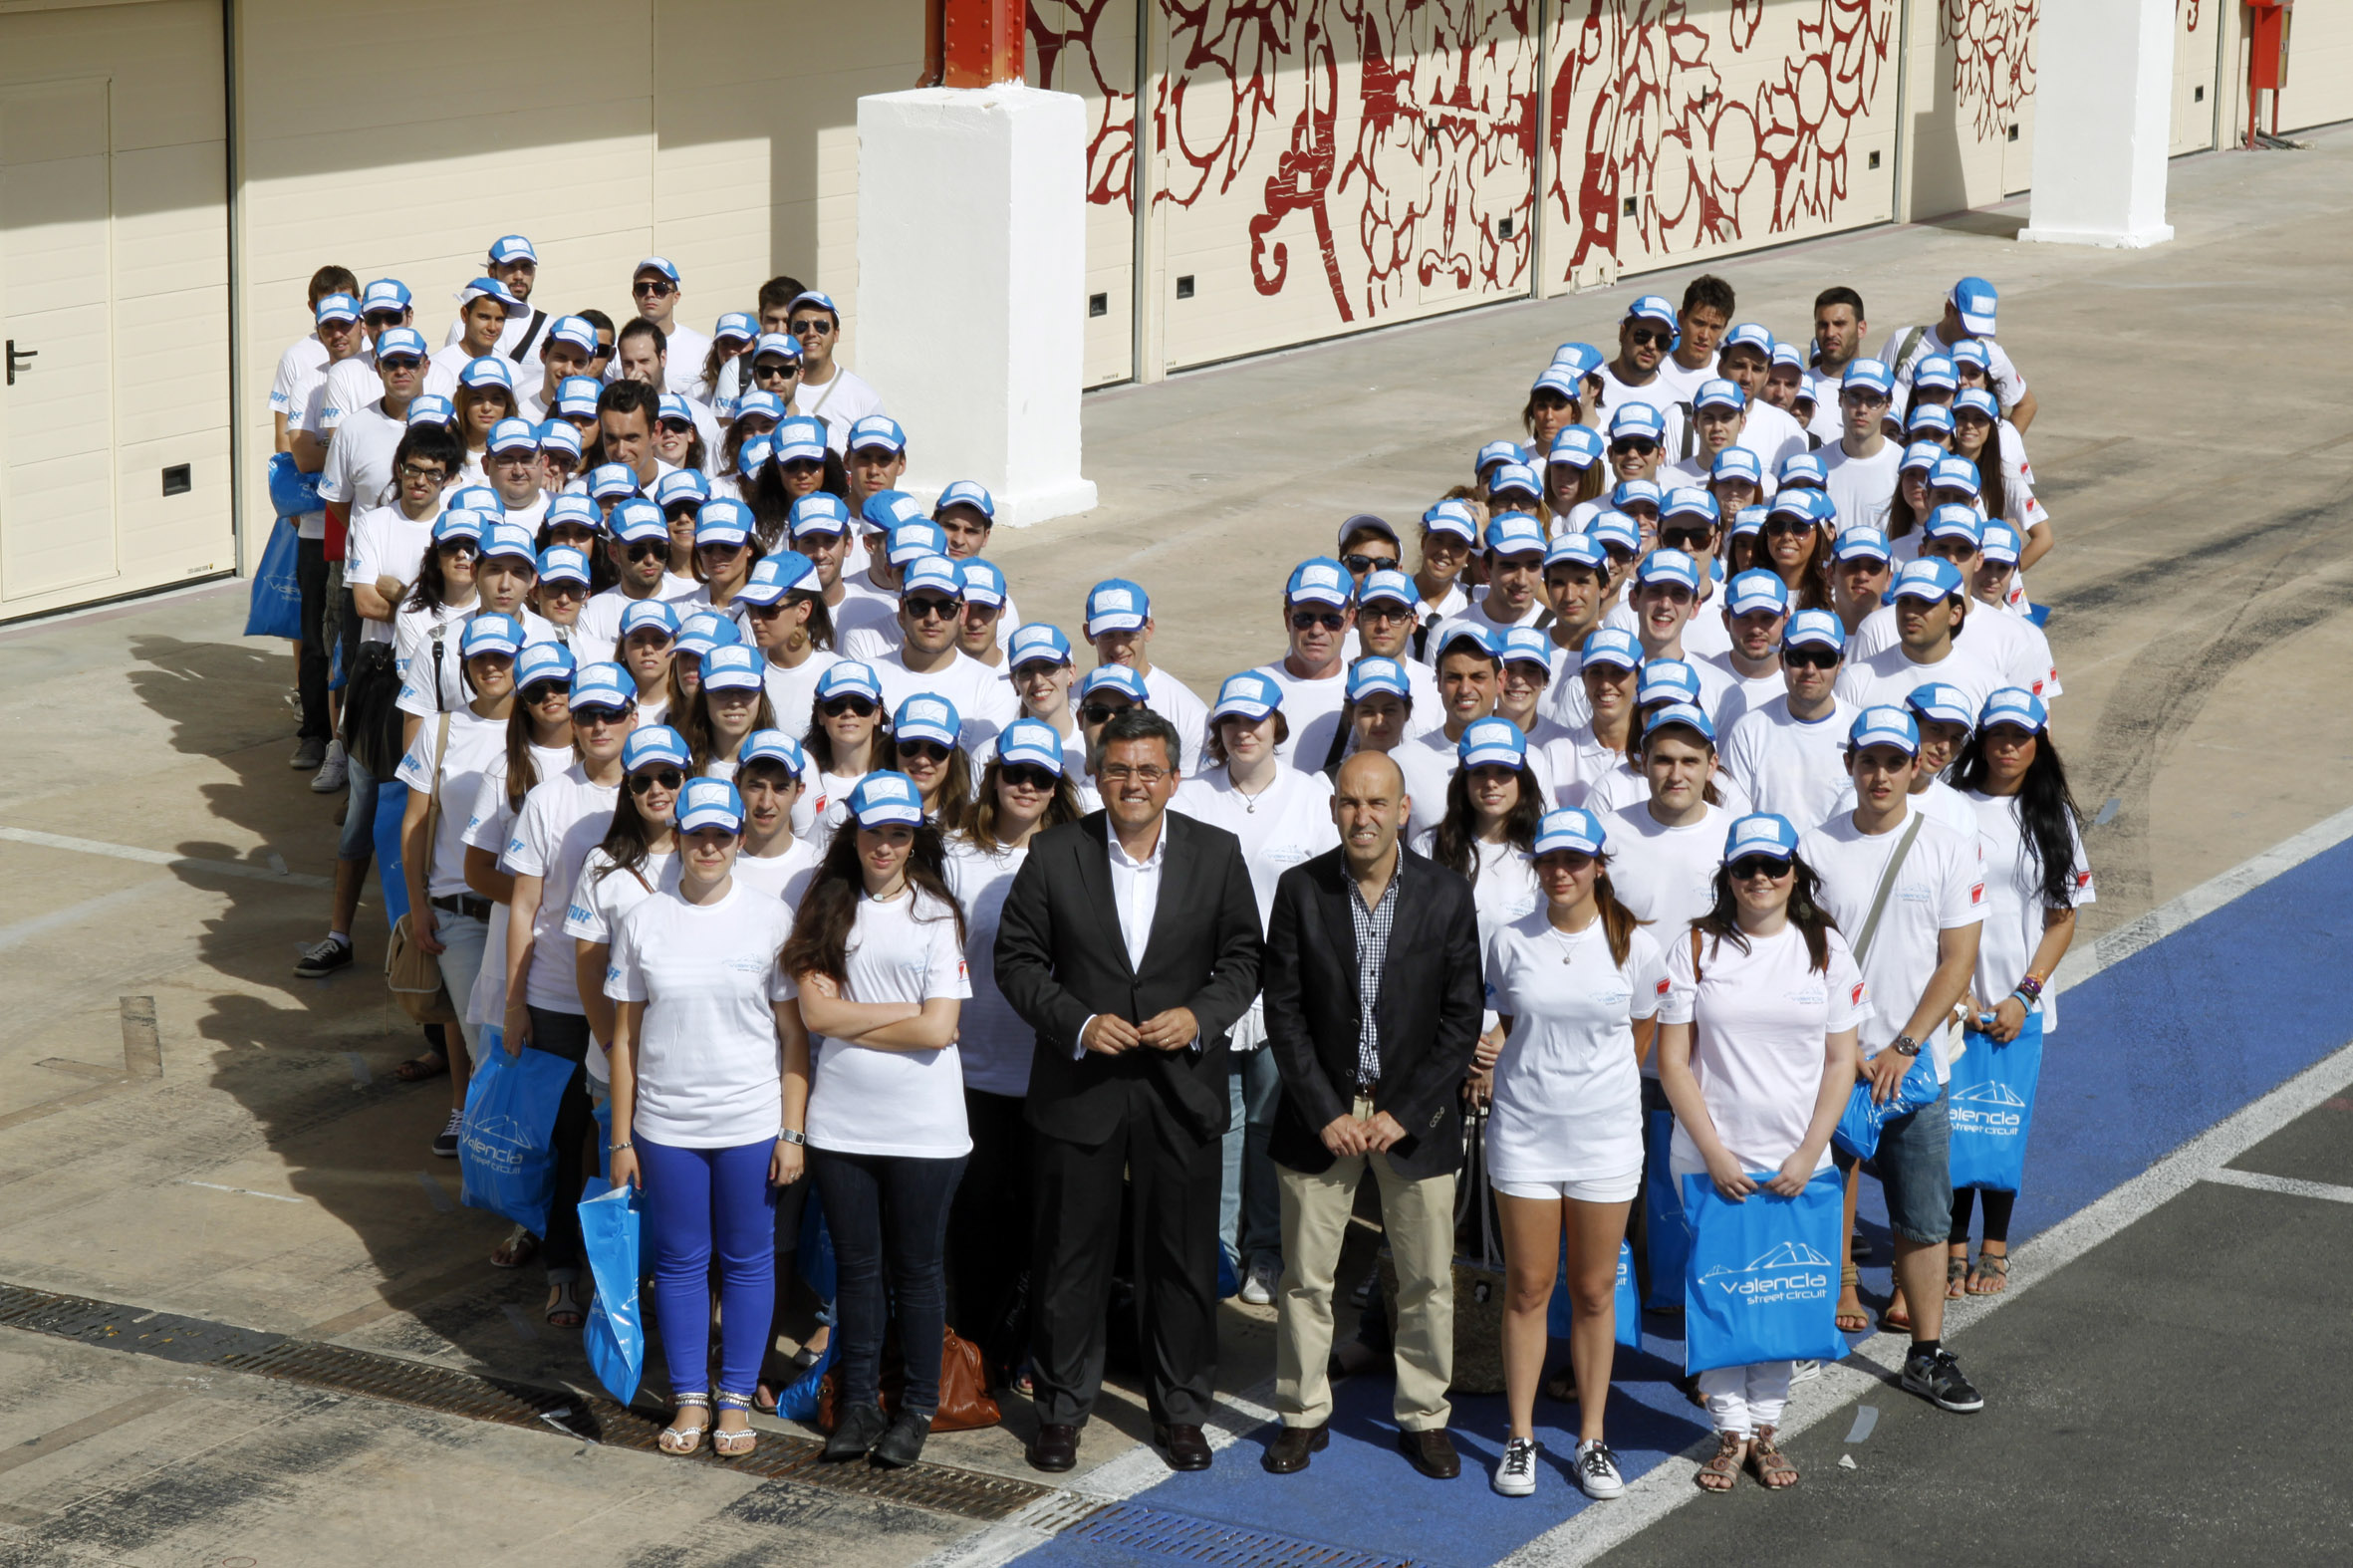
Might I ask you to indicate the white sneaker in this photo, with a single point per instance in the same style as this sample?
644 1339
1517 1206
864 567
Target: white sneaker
1597 1470
1258 1288
1804 1371
1515 1473
331 772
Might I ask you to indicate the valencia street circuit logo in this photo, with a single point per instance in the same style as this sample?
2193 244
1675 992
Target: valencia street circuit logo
1988 1108
499 1143
1790 1272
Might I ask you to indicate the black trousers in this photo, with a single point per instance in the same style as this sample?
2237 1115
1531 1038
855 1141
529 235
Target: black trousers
566 1035
1175 1178
311 669
988 1234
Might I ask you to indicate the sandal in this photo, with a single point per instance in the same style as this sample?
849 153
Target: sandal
1768 1463
432 1064
519 1248
1722 1472
1956 1271
1992 1266
734 1445
674 1439
1851 1318
1898 1315
564 1308
1562 1385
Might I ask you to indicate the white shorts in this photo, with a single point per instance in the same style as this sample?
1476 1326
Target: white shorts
1603 1189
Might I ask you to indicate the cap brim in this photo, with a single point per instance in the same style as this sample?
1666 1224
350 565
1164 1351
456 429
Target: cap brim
1119 621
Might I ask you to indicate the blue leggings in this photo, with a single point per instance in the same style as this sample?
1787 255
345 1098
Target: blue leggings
690 1194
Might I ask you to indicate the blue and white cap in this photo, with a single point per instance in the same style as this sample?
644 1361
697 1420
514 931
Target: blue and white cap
1653 306
491 632
1249 694
735 327
886 509
824 302
510 539
1038 643
968 493
877 431
1577 550
385 294
1757 592
510 248
1515 533
1562 378
774 576
1920 454
1927 578
1492 742
542 662
399 342
710 803
759 405
2000 543
1374 673
928 716
1689 500
652 743
576 397
635 520
1867 375
1802 469
1719 392
578 331
1115 605
459 522
732 666
1945 704
773 745
722 521
753 455
1972 351
608 482
1749 521
488 371
336 308
604 685
1583 358
477 498
703 631
1761 833
1452 517
1515 478
679 487
1977 400
1953 520
886 800
1388 585
1885 726
983 583
1934 372
849 677
563 564
1785 353
1637 421
1578 446
932 574
1570 830
1637 492
1815 629
556 435
798 439
818 512
1685 714
1495 452
1030 742
489 288
1737 462
1953 473
1612 646
661 264
1614 527
430 409
1115 677
1666 681
2014 705
909 541
648 614
1974 298
783 345
1669 566
1815 506
1525 645
1320 580
513 435
1748 335
672 408
1862 543
1454 633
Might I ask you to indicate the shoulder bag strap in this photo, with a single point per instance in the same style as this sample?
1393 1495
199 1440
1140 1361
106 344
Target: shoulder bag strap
1338 747
523 343
1887 885
1904 350
440 703
433 811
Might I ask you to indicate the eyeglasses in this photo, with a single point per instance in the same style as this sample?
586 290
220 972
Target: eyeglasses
648 549
1863 398
1121 773
668 778
1361 564
577 535
1102 712
1024 776
835 708
1329 620
1633 446
1788 525
655 288
1750 867
423 471
380 320
1686 538
1811 658
1648 337
516 457
565 589
720 546
926 750
648 637
920 608
541 690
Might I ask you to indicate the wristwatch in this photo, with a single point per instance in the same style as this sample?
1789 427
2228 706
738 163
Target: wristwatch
788 1136
1904 1045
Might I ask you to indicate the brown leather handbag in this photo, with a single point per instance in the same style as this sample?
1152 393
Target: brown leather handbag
964 1404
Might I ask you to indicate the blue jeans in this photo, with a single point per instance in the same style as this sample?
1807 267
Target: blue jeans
701 1201
1250 1205
887 1212
359 818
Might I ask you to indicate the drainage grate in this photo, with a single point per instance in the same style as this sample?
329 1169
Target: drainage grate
1133 1527
314 1364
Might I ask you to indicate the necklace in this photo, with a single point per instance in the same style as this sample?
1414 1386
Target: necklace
1250 796
1568 941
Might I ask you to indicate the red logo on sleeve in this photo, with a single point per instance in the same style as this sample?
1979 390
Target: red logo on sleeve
1664 985
1855 997
2083 879
1977 895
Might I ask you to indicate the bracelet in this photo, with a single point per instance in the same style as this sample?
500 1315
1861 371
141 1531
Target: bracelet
788 1136
2030 989
614 1148
2031 998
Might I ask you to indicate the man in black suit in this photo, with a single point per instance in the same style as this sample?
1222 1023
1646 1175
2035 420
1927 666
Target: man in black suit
1372 1010
1130 943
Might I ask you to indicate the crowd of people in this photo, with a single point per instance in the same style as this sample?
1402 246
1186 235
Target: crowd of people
1696 769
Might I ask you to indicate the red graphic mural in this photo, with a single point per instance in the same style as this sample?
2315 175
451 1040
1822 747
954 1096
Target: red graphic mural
1992 44
1067 44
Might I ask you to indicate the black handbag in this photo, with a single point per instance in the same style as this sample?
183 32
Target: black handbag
371 710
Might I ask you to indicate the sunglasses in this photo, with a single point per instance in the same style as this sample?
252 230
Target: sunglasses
1636 445
927 750
813 325
653 287
398 362
1329 620
1750 867
1648 337
772 369
564 588
677 427
1361 564
414 471
1102 712
462 549
594 714
1385 609
541 690
668 778
1024 776
805 466
835 708
1686 538
919 608
1788 525
766 612
647 636
648 549
384 318
1811 658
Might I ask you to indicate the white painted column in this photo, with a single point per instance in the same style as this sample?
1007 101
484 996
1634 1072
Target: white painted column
971 288
2103 119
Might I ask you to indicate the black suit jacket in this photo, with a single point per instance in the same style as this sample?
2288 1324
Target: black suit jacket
1061 959
1432 1001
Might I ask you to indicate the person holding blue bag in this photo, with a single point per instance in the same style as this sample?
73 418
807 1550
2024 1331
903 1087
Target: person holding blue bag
711 1081
2036 877
1756 1053
1912 891
1573 985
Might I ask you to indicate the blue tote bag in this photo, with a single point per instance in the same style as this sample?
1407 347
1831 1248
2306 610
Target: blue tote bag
1668 1241
292 493
1992 1107
1762 1282
1559 1316
505 1153
611 1234
1857 1133
274 604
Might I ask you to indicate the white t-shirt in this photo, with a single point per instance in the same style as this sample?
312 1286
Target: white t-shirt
1862 487
605 892
385 541
1665 876
996 1043
839 403
793 693
1657 392
2014 644
1568 1098
357 383
785 875
473 742
1762 1019
1940 802
300 383
359 468
1478 614
1773 434
1503 888
1749 692
1705 635
414 631
985 703
2015 905
869 1099
1174 702
1288 822
1617 785
1792 766
710 1066
562 818
1312 711
2009 385
1888 676
1942 888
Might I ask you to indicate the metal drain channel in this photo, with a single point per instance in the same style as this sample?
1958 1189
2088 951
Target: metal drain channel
316 1364
1133 1527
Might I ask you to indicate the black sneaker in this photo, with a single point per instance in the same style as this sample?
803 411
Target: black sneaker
308 752
1939 1379
322 959
446 1144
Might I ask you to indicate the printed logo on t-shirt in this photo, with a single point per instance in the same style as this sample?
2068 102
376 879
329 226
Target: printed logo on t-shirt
576 913
1664 985
1977 895
961 972
613 971
2083 880
1855 997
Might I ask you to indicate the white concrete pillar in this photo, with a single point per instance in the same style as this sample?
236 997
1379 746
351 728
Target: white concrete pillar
2103 119
971 287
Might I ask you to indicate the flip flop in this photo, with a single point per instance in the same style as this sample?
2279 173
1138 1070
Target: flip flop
432 1064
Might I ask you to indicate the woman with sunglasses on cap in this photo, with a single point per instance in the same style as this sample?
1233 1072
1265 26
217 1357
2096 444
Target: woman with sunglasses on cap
1757 1056
562 819
785 614
849 737
485 396
678 436
1575 478
1798 529
1025 789
800 464
710 1079
878 953
1283 817
1575 984
756 417
2036 877
725 552
1489 832
926 747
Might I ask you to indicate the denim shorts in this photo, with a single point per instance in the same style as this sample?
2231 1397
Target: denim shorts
358 840
1915 1168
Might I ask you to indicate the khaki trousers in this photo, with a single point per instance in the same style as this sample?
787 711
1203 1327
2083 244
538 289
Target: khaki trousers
1419 1218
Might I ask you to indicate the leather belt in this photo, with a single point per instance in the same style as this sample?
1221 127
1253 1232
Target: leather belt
463 904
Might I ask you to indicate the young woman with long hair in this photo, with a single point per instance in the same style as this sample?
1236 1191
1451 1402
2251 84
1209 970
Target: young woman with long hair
1797 538
1908 507
725 550
1575 985
1575 478
785 614
485 396
730 701
925 746
1489 832
731 341
878 953
648 647
676 441
1757 1054
1556 403
849 737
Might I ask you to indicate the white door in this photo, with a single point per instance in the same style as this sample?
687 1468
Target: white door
56 412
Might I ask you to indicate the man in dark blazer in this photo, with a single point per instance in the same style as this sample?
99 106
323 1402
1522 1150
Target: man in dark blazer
1130 943
1374 1004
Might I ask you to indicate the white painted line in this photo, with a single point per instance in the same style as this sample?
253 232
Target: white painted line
242 1192
125 851
18 932
2258 1181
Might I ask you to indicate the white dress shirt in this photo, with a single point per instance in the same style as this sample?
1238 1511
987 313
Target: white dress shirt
1136 894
